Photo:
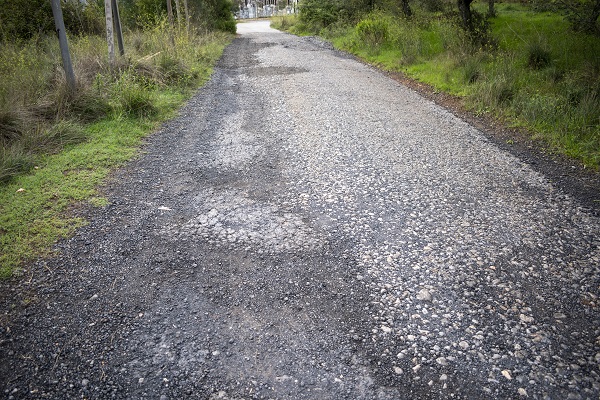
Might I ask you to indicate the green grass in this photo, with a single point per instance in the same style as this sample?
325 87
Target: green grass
68 156
539 74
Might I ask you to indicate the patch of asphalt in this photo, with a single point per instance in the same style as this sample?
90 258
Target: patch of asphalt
319 231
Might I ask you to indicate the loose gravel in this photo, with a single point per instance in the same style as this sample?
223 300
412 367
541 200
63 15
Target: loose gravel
308 228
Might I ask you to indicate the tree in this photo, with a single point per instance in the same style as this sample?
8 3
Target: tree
582 14
24 19
406 8
491 8
466 16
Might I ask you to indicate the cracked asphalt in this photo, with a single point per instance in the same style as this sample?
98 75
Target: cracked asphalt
308 228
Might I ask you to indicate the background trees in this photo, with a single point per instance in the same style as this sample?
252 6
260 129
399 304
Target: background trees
583 15
24 19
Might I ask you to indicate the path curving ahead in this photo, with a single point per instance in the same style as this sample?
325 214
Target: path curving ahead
308 228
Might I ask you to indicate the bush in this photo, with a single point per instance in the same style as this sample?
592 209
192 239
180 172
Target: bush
25 19
318 14
373 31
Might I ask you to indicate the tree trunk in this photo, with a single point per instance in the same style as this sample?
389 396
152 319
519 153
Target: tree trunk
491 9
464 8
406 8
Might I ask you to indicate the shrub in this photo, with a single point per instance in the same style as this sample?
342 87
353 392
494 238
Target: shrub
373 31
318 14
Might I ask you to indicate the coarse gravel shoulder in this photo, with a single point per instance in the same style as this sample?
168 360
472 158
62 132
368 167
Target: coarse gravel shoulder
308 228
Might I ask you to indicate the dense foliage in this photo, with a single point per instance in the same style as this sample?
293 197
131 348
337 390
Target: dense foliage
24 19
317 14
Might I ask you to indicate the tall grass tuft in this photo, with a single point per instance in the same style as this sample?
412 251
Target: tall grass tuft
538 54
134 99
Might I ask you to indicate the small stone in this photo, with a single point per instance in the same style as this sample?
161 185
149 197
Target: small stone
85 382
443 377
441 361
522 392
525 318
398 370
424 295
410 337
506 374
559 315
386 329
141 380
463 344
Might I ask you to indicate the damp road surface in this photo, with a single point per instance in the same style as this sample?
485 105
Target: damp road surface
308 228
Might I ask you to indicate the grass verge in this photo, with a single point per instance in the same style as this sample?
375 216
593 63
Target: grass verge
57 147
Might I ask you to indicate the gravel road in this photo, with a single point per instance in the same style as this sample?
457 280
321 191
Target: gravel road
308 228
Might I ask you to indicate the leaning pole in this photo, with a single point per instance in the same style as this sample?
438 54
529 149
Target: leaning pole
64 45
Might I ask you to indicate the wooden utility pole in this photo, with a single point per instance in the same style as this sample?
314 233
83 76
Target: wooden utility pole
109 31
64 45
119 32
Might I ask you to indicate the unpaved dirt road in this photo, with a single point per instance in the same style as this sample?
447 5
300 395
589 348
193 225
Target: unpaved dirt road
310 229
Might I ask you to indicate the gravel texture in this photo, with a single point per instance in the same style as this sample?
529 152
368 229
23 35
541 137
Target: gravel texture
308 228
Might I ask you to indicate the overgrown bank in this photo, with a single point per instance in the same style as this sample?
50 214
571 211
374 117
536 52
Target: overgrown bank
527 67
58 146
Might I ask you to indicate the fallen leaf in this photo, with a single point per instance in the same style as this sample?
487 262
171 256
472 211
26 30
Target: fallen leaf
20 190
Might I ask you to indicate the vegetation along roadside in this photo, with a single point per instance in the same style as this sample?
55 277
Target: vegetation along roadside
531 64
59 145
